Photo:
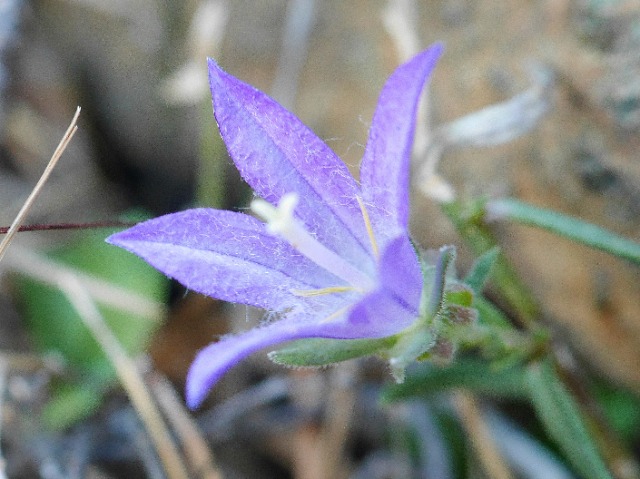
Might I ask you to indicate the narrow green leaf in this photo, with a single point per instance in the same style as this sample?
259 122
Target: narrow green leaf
620 407
567 226
481 269
473 374
563 422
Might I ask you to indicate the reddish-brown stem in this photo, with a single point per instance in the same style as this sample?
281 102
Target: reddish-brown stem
69 226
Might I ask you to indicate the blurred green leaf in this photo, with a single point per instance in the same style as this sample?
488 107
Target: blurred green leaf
56 327
567 226
563 421
621 408
481 270
490 314
213 160
73 401
473 374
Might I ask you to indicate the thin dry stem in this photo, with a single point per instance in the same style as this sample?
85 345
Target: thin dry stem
128 374
15 226
196 449
481 440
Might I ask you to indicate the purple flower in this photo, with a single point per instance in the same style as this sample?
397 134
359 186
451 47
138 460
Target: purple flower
334 259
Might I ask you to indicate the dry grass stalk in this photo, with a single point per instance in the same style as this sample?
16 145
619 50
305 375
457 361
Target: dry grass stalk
17 222
196 449
128 374
483 444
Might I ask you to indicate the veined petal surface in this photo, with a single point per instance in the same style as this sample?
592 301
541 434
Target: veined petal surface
231 256
277 154
384 312
228 256
384 173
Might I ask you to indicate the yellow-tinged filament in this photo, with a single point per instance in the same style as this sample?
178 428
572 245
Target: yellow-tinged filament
367 224
335 315
321 292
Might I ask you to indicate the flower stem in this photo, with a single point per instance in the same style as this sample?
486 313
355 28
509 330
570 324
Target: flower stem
468 219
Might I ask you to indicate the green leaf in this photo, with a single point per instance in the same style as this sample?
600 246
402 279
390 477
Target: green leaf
472 374
71 402
56 327
481 269
567 226
620 407
562 420
490 314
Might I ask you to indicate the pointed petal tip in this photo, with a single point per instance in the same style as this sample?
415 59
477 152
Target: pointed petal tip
115 239
435 51
212 64
110 239
123 238
437 48
429 57
216 74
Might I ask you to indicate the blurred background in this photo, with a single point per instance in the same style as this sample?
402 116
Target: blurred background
563 76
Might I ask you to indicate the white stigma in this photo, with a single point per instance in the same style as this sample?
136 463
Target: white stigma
281 222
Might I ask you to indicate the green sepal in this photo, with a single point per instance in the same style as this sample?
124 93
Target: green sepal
413 343
416 341
319 352
435 280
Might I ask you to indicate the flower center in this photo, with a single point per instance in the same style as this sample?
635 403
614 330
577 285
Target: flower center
280 222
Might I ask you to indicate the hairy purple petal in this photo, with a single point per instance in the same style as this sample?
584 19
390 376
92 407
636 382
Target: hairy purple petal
212 362
394 305
232 257
383 312
377 315
384 173
276 154
226 255
400 273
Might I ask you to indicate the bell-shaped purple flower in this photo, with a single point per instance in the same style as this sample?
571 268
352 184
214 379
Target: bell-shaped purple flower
334 258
